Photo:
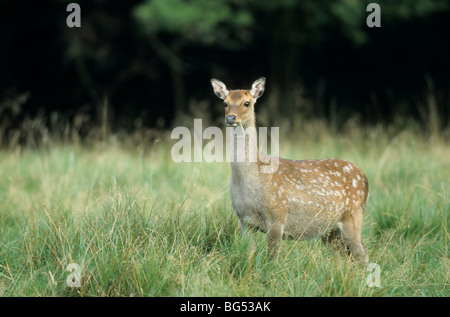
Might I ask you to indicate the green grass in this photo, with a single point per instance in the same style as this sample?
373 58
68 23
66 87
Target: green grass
139 224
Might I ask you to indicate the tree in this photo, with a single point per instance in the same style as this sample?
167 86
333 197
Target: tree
171 25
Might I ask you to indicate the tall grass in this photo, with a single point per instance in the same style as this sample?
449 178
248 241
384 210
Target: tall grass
139 224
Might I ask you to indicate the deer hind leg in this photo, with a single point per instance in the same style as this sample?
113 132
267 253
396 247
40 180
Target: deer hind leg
351 233
345 238
335 241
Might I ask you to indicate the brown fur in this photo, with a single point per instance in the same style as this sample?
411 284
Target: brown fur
302 199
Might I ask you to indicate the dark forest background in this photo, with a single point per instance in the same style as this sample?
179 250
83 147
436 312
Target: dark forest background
140 63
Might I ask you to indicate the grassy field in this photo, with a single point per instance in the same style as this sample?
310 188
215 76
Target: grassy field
138 224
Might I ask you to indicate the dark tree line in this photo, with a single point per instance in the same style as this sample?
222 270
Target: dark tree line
147 59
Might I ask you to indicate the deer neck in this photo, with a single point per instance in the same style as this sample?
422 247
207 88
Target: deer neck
244 152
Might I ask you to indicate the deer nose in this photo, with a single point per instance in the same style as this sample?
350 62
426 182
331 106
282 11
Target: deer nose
231 119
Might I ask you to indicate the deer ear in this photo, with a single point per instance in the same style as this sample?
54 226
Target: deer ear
258 87
219 88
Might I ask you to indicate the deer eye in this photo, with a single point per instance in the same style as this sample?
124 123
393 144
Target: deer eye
225 104
247 104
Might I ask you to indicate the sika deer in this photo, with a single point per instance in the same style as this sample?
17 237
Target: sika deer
302 199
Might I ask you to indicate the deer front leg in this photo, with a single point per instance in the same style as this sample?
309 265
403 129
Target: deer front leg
274 236
242 226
